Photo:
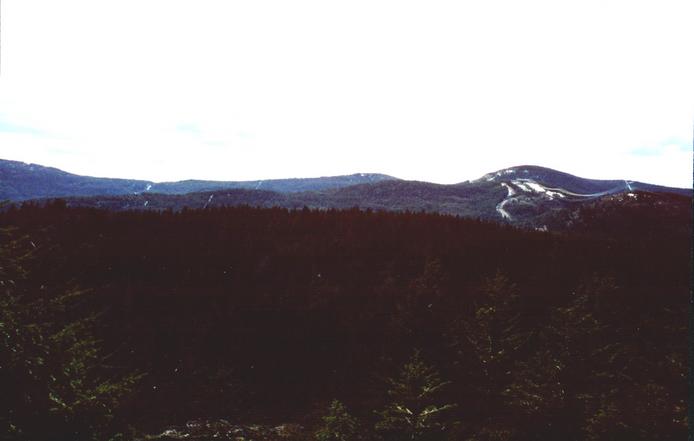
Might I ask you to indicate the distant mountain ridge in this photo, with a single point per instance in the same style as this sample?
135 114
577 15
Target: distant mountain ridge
575 184
290 185
524 196
20 181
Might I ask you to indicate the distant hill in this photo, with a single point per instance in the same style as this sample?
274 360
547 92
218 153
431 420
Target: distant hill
20 181
279 185
541 197
525 196
568 183
388 195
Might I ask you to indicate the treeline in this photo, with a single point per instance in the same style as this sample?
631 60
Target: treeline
268 315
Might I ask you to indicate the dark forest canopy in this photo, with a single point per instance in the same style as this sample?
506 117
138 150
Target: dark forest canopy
268 315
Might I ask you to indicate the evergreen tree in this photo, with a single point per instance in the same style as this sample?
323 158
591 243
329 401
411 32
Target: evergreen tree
589 381
415 412
420 304
51 376
494 332
623 386
338 425
487 341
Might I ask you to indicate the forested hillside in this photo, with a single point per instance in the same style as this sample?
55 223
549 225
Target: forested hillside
349 324
524 196
20 181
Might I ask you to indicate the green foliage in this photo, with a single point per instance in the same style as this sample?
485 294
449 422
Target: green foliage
536 389
622 396
586 382
338 425
493 333
418 305
285 309
415 411
494 330
53 382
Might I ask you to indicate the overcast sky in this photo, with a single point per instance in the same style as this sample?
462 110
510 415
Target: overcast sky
442 91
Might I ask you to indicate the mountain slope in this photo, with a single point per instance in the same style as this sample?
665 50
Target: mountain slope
476 201
20 181
473 201
538 196
278 185
568 184
523 196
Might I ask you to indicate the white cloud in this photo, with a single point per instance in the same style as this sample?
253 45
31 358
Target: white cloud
441 91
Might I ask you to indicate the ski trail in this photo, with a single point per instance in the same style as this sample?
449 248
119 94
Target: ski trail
208 201
590 195
511 191
628 185
500 206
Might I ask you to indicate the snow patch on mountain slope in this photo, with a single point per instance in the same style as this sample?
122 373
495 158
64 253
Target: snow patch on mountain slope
500 206
511 191
552 194
530 186
493 176
522 185
535 186
208 201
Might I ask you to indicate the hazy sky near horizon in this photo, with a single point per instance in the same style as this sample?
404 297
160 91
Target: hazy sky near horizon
442 91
